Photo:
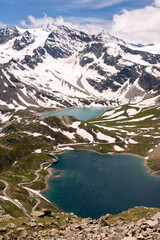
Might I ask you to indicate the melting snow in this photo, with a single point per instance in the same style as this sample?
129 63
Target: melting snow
85 134
108 113
4 118
117 148
131 112
75 124
66 148
107 138
36 192
107 128
38 151
132 141
139 119
151 150
115 114
68 134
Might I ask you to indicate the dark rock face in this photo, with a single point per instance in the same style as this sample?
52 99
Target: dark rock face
126 73
74 34
61 42
98 69
26 39
37 57
110 60
86 60
57 52
96 48
148 82
8 34
28 60
103 85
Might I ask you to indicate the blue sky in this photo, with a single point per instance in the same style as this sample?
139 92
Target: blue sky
13 11
123 18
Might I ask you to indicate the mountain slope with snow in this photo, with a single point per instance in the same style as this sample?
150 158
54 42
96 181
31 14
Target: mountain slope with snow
58 66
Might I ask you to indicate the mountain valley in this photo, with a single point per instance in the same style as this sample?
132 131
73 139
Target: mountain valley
44 70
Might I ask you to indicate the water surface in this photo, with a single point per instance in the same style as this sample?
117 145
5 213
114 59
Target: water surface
92 185
81 114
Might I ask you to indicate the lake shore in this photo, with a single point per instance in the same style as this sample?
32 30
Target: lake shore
51 170
119 159
49 175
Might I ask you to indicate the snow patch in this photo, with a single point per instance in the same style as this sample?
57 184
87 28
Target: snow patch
117 148
131 112
104 137
85 134
75 124
132 141
38 151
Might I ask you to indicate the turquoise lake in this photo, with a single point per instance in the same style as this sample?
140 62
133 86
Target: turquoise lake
80 113
91 185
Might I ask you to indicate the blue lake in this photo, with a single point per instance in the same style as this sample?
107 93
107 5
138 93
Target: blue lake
80 113
91 185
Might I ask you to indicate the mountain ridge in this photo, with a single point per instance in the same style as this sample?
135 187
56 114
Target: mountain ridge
58 67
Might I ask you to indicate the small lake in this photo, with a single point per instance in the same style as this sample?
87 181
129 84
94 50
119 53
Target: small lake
81 114
91 185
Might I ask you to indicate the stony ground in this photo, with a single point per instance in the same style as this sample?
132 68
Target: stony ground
89 229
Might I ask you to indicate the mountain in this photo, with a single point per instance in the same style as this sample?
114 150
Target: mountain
57 67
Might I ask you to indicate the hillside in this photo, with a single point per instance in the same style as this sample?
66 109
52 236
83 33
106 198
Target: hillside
24 145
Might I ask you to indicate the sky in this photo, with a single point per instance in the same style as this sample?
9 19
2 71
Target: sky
133 21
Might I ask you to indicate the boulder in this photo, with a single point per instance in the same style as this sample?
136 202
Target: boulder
3 229
6 237
11 225
152 223
20 229
32 224
24 234
46 211
37 214
140 237
156 216
54 231
41 225
129 238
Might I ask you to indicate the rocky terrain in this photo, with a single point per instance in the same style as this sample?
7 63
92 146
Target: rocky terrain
105 228
100 230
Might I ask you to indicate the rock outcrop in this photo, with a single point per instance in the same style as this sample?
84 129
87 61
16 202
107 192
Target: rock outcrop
75 229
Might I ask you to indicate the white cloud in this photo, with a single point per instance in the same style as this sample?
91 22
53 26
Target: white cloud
157 3
89 25
85 4
134 26
37 22
3 25
138 26
94 4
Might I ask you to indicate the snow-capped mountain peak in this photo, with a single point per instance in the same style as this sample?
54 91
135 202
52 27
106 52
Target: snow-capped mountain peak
59 66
